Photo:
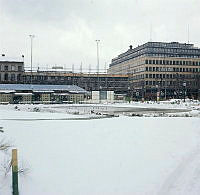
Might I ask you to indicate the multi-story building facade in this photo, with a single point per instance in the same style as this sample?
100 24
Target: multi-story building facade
11 71
163 70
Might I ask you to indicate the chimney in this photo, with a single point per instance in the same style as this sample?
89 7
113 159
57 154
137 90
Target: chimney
131 47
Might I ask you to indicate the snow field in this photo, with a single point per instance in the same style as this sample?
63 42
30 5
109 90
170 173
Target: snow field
117 156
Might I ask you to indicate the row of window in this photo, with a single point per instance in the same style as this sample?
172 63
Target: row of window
170 83
10 77
173 62
10 68
189 56
170 76
170 69
165 76
173 50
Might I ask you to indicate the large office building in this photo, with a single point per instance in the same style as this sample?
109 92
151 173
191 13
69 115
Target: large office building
160 70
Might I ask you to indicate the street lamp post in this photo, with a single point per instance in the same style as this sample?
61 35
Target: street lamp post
97 41
98 80
157 93
129 94
184 93
31 37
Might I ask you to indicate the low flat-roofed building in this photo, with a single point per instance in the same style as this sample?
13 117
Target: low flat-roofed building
26 93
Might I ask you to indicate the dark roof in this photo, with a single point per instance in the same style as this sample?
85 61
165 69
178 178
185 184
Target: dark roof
23 87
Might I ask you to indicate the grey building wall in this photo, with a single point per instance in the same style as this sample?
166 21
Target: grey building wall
11 71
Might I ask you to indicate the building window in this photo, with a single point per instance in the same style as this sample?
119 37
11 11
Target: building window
6 77
18 77
20 68
6 68
12 68
12 77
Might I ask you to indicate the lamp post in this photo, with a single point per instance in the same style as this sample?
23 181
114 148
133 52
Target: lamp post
184 93
97 41
129 94
157 93
31 37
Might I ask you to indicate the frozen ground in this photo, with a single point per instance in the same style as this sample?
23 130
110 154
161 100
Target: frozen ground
112 156
148 109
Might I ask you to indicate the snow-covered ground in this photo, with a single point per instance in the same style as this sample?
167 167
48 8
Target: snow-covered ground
165 108
112 156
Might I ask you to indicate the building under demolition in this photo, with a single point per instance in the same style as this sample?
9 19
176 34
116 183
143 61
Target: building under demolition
13 72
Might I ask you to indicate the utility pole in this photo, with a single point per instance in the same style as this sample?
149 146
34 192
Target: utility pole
31 37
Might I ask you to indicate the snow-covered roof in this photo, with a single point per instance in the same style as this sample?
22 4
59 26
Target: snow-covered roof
7 91
46 88
23 94
10 59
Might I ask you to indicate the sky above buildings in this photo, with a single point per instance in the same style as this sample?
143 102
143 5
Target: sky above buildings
65 30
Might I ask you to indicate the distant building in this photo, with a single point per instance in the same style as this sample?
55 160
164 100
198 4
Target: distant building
102 97
160 70
11 70
90 82
26 93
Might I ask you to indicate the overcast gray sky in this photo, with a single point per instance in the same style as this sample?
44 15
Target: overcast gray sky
65 30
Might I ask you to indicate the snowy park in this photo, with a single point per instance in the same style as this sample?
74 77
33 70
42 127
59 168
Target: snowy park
123 149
